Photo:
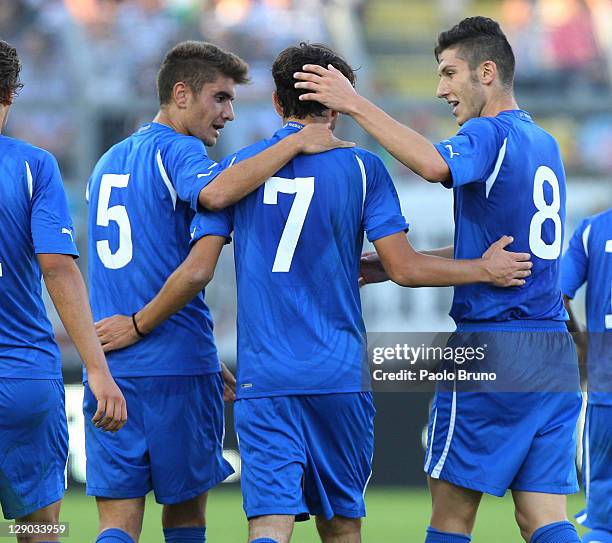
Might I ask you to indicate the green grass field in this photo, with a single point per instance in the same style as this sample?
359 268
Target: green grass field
394 516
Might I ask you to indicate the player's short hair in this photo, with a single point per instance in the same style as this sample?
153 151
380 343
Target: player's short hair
479 39
10 66
290 61
196 63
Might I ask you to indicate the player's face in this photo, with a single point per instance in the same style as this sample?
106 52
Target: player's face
459 86
209 110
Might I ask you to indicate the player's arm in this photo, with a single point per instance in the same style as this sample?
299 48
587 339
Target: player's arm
572 324
190 278
578 333
442 252
371 269
234 183
409 268
333 90
67 290
574 268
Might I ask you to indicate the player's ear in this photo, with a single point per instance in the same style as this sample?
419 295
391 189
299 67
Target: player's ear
487 72
179 94
277 105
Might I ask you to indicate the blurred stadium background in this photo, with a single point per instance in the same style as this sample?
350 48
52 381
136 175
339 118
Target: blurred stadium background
89 74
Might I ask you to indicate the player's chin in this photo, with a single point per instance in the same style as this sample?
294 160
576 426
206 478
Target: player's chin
461 119
210 140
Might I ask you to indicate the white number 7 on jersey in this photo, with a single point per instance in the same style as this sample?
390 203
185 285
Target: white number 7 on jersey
303 188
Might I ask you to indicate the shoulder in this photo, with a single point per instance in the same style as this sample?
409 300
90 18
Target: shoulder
604 216
492 127
175 142
248 151
357 156
22 150
115 152
599 221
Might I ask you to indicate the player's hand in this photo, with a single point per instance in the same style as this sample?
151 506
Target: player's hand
504 268
116 332
111 414
327 86
318 138
371 270
229 384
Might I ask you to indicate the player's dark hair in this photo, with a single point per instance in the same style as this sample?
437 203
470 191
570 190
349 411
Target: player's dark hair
479 39
196 63
9 73
290 61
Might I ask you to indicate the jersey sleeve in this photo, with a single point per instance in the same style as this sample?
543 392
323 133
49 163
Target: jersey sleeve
50 222
209 223
382 213
575 261
189 169
472 153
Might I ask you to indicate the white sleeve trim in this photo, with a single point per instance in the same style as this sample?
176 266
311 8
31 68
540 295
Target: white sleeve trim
166 179
363 182
29 178
585 239
493 177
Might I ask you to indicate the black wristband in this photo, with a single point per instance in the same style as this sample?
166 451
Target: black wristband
140 334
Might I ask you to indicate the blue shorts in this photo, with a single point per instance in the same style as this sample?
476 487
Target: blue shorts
491 441
172 442
306 455
33 445
597 468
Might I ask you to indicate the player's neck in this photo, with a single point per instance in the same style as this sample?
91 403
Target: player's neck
497 104
3 116
306 120
163 118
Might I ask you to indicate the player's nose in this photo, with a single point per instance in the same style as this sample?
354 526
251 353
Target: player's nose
228 113
442 90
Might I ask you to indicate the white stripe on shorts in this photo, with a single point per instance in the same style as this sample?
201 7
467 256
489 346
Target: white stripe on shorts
431 440
451 428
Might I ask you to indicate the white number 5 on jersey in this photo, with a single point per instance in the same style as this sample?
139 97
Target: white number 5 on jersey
303 188
117 214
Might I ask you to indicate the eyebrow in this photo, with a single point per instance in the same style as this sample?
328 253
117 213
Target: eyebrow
446 68
223 94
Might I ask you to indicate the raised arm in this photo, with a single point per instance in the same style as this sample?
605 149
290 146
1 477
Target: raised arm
241 179
409 268
67 290
333 90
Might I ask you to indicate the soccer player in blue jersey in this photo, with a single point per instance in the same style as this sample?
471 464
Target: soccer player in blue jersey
589 260
36 236
143 194
304 413
507 178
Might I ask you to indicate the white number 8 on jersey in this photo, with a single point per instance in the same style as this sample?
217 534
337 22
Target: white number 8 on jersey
545 211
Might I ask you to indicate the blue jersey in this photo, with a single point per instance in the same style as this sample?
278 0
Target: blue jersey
508 179
34 219
142 197
589 259
298 241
